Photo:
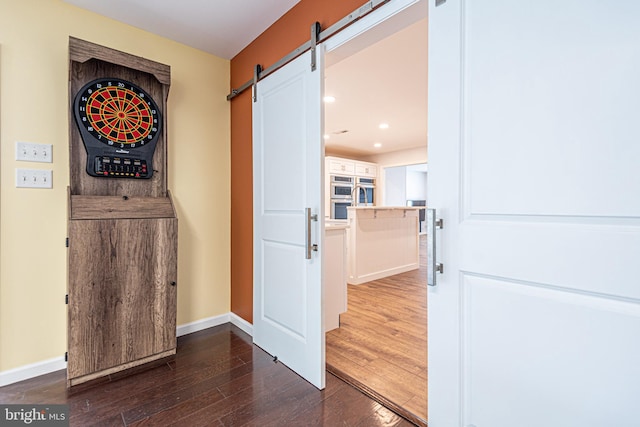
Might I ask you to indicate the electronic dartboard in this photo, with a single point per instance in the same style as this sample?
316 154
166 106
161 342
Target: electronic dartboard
120 125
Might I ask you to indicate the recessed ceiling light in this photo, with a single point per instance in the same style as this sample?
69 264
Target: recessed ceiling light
383 125
329 99
377 145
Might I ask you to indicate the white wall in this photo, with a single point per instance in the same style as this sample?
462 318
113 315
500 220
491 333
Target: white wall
401 183
395 182
396 158
416 184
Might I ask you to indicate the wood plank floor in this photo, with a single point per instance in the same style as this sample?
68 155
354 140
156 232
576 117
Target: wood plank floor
381 345
217 378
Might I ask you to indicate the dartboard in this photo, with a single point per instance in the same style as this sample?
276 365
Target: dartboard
119 113
120 124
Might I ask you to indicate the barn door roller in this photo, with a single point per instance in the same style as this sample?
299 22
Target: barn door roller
315 34
256 76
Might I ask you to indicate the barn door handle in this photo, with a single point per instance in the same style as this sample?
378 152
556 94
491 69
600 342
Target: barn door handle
307 236
433 267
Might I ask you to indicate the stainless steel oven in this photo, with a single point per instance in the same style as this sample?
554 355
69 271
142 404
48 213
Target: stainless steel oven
341 187
341 196
339 208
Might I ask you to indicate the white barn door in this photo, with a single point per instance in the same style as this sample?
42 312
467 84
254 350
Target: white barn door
534 165
287 169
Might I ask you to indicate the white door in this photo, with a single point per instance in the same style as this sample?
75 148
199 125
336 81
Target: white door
534 165
287 169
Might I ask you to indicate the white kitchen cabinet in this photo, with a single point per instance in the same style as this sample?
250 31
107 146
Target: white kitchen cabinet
368 170
338 166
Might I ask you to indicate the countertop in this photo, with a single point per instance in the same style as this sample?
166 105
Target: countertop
387 208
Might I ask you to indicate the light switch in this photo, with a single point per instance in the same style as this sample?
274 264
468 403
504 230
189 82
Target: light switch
33 152
34 178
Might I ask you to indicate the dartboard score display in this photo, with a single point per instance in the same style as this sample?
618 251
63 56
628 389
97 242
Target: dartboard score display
120 125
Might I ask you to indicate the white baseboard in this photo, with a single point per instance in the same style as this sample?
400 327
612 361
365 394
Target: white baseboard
26 372
241 323
33 370
199 325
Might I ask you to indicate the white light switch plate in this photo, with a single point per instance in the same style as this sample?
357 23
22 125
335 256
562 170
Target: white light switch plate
33 152
34 178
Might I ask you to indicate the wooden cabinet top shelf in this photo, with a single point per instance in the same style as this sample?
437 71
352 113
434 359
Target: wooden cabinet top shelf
119 207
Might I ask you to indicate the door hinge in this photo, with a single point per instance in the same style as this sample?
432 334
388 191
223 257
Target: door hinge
66 242
66 356
66 299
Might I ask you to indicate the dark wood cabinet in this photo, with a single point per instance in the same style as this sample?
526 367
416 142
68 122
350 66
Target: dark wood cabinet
122 287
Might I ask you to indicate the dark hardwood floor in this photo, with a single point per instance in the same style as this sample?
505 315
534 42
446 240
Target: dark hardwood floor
381 345
217 378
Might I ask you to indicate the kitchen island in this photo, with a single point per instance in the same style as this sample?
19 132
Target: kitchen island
382 241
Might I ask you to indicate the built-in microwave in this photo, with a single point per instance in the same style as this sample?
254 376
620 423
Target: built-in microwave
341 187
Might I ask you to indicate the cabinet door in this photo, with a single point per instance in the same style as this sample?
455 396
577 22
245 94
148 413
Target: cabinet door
340 166
122 293
366 169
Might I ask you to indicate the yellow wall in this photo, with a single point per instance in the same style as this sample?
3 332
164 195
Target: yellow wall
34 106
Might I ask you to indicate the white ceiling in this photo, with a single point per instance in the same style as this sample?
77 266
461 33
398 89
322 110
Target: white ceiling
384 82
220 27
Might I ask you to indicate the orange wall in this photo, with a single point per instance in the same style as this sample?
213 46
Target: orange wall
289 32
